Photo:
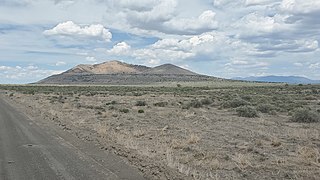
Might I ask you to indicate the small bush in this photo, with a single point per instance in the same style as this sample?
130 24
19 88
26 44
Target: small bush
305 116
247 111
124 110
237 102
310 98
265 108
111 103
246 98
161 104
206 101
140 111
11 94
193 103
141 103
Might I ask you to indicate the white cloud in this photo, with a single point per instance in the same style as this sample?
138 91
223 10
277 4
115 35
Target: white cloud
3 68
205 22
314 66
91 59
305 45
140 12
300 6
121 48
153 62
239 62
298 64
71 29
60 63
223 3
185 44
15 2
26 74
255 24
161 55
257 2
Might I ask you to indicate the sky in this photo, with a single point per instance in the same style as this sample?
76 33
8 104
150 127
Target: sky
222 38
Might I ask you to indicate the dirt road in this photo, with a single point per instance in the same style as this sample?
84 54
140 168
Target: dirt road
28 151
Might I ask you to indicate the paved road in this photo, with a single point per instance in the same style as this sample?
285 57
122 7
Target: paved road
28 152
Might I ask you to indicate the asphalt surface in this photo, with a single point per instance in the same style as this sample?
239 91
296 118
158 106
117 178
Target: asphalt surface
28 151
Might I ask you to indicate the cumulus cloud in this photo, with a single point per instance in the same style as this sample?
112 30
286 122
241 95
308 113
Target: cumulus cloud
144 13
204 23
223 3
255 24
257 2
314 66
26 74
300 6
71 29
205 47
121 48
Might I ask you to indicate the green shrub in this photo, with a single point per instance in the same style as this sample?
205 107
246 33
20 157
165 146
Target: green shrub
266 108
246 98
111 103
124 110
141 103
140 111
193 103
161 104
206 101
310 98
237 102
305 116
247 111
196 104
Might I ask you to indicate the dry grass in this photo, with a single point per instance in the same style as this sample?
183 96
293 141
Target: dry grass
309 155
202 142
193 139
242 161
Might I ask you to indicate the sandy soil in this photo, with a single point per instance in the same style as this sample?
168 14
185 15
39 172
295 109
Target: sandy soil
171 142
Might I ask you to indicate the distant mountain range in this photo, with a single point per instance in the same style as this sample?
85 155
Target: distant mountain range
120 73
279 79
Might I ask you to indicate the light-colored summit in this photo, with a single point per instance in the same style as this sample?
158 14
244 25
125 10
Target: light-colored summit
109 67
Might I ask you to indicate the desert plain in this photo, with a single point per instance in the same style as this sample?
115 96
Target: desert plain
261 131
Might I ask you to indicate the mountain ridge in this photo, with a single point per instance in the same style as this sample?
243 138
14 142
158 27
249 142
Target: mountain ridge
279 79
117 73
108 67
114 67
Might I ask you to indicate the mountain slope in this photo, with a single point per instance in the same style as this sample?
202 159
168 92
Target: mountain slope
119 73
284 79
169 69
110 67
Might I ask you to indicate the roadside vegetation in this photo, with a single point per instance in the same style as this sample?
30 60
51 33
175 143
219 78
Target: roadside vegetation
200 132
